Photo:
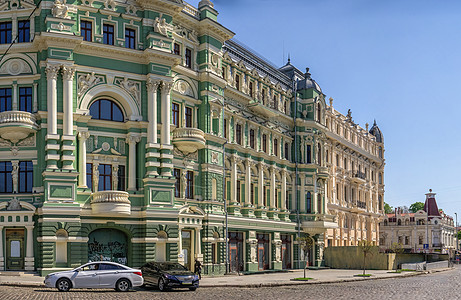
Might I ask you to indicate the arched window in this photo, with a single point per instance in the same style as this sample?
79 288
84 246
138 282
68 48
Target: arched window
399 222
105 109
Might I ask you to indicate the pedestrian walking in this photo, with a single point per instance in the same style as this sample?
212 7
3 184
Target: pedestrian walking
198 269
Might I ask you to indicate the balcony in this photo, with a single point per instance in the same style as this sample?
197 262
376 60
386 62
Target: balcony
262 109
322 172
17 125
359 177
188 140
359 206
318 223
110 203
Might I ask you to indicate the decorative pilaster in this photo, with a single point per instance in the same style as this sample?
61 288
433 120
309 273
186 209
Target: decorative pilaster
35 104
68 138
15 96
82 137
152 153
52 137
29 261
131 140
166 148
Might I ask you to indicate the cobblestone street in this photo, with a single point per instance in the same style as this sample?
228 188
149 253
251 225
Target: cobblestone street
443 285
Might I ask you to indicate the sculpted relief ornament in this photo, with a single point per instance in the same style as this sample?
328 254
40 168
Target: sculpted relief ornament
161 26
132 87
60 9
86 82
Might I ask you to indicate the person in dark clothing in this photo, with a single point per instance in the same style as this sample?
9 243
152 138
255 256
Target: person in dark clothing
198 269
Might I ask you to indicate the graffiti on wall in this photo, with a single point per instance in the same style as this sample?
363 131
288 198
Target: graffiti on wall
107 245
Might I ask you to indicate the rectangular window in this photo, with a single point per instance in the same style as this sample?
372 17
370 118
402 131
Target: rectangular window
89 176
224 76
5 32
6 180
86 30
108 34
25 177
5 99
23 31
130 38
25 99
238 191
121 178
263 95
276 147
286 151
188 115
177 183
264 197
250 88
238 134
190 185
252 194
308 154
175 114
264 143
237 82
176 49
252 138
189 58
105 177
225 128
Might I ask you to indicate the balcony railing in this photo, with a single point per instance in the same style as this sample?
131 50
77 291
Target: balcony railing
111 202
17 125
188 140
360 175
15 116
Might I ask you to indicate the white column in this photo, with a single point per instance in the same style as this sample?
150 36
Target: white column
30 241
152 87
15 97
82 137
67 80
233 179
198 250
248 183
132 139
35 105
166 111
261 185
284 190
52 98
272 191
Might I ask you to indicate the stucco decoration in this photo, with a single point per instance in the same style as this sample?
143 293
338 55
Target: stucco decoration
27 142
16 4
60 9
110 5
131 10
132 87
15 67
184 88
88 3
87 81
14 204
161 26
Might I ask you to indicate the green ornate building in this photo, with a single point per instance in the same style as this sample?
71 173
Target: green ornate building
129 128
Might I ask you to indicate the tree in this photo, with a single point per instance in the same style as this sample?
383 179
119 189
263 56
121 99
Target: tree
397 248
305 244
416 206
387 208
366 247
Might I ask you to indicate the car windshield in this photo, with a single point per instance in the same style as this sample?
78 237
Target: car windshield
172 267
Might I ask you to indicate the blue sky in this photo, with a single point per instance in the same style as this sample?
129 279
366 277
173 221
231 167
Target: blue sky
398 62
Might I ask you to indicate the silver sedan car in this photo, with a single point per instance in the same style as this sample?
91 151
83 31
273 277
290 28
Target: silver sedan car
97 275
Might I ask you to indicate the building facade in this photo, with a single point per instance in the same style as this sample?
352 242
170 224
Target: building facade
139 130
411 231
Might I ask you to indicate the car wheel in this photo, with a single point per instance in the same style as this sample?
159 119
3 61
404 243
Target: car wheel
63 284
161 285
192 289
123 285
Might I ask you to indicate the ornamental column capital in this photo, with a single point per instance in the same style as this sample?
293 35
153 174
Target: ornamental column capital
133 138
153 84
68 72
167 86
83 135
52 71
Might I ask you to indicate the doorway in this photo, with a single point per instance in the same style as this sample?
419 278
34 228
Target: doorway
286 251
236 251
187 248
14 249
263 251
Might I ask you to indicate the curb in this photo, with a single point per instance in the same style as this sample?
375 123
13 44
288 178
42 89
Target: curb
275 284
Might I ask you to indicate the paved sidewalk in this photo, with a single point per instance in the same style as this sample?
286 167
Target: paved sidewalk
256 280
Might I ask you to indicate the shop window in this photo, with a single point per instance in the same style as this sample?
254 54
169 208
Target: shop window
108 110
130 38
5 33
25 99
108 34
23 31
86 30
5 99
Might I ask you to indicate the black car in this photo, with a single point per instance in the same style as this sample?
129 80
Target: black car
168 275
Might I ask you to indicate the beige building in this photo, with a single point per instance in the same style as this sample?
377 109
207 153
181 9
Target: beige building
412 231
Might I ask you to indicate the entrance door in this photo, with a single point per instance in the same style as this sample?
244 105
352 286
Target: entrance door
236 251
186 248
15 249
286 251
263 251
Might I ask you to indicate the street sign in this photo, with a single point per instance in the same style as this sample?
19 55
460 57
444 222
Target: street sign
426 246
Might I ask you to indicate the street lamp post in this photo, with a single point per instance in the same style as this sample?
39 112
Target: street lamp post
456 232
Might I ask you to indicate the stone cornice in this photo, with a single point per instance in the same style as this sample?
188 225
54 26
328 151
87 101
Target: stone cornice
169 7
209 27
49 39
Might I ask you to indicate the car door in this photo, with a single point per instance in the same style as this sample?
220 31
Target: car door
87 277
150 273
109 274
